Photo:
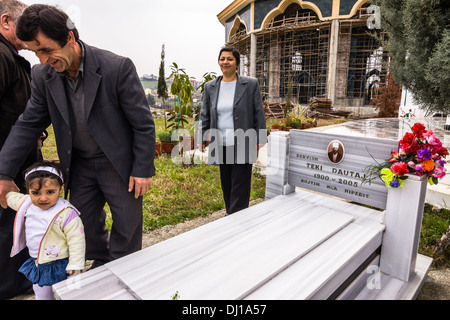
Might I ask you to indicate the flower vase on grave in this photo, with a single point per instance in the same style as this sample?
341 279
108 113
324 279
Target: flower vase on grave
403 220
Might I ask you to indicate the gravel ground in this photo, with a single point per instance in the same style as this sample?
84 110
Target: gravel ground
437 287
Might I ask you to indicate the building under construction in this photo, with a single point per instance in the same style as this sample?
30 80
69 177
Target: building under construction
300 50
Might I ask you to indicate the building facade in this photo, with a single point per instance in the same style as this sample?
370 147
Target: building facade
309 49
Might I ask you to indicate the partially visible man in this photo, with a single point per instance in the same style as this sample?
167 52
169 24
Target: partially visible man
14 94
104 130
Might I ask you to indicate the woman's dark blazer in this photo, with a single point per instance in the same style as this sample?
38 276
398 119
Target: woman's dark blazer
248 115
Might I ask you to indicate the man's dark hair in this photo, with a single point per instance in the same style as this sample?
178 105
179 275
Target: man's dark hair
49 20
235 53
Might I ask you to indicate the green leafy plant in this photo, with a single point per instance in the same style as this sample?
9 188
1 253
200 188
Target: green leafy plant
207 77
292 121
182 88
165 136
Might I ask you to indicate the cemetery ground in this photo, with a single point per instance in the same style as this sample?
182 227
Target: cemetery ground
185 197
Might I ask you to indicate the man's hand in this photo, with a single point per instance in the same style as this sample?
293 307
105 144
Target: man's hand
140 186
5 187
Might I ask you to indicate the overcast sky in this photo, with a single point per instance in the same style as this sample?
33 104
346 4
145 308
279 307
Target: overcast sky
137 29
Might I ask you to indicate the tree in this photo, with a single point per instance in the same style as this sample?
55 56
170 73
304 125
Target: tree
387 101
162 85
419 44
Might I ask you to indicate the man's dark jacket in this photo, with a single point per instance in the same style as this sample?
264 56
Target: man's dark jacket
14 94
118 116
14 87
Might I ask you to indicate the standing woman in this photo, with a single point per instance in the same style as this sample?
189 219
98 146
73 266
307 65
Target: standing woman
233 118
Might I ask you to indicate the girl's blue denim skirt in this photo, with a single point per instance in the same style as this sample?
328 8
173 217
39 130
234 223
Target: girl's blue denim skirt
45 275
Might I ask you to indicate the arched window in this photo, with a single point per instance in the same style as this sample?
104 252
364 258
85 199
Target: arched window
294 14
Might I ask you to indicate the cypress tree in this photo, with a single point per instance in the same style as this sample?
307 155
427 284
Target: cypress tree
162 85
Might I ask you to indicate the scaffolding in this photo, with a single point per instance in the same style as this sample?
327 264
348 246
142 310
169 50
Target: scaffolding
362 62
293 63
241 41
293 58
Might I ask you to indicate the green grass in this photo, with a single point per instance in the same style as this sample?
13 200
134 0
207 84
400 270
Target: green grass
49 148
435 223
181 193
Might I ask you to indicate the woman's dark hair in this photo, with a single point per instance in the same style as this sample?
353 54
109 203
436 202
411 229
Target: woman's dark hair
40 175
235 53
49 20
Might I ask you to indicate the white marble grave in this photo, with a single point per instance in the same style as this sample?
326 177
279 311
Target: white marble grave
298 244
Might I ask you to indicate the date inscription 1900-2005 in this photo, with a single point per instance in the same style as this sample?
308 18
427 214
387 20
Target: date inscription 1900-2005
332 178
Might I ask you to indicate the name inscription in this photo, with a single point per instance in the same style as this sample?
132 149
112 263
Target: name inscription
335 164
333 178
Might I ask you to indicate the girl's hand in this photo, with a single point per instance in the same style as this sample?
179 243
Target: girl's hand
74 273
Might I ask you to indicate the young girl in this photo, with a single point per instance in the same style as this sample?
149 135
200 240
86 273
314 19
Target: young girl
49 226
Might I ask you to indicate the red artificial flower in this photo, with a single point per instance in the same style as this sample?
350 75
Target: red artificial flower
443 152
407 142
419 130
408 139
400 168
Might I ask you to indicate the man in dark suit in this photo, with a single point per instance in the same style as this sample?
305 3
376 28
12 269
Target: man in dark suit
104 130
14 94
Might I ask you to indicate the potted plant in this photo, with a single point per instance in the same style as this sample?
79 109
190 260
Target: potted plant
286 124
184 138
157 148
276 125
166 141
296 123
292 121
309 123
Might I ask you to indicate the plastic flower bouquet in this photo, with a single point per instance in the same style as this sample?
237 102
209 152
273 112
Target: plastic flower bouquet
420 153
